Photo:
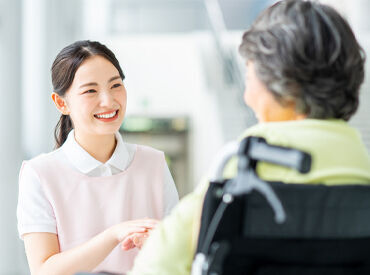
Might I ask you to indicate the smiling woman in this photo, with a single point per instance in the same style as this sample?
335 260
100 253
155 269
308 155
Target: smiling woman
95 102
91 203
91 68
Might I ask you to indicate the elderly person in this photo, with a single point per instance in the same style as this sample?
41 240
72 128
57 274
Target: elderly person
304 71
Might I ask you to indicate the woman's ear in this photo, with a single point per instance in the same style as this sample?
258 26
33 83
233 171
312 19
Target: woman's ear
60 103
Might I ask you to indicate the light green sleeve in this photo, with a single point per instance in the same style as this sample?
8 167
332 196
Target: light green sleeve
170 248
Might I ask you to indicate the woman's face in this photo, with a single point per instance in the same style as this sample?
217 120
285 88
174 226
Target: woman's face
262 101
96 100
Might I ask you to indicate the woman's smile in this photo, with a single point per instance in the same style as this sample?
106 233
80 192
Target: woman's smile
107 116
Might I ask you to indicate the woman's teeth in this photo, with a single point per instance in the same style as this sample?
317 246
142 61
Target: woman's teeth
107 115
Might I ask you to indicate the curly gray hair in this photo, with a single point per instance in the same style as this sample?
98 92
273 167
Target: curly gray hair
306 52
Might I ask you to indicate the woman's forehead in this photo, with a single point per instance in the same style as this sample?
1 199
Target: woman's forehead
95 68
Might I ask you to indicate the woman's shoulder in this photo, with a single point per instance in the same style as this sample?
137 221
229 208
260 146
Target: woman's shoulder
30 169
45 157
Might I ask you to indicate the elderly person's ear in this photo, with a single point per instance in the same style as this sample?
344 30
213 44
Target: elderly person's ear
264 103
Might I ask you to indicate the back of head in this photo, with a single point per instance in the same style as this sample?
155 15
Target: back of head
306 52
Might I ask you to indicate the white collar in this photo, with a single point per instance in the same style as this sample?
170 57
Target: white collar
85 163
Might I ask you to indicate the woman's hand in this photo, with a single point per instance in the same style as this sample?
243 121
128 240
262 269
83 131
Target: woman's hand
132 233
135 240
140 238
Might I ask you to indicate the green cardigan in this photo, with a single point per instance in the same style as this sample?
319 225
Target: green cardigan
338 157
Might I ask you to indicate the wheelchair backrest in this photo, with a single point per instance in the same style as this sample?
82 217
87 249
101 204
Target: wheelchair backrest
326 228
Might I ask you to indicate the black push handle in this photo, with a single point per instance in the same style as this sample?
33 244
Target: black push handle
256 148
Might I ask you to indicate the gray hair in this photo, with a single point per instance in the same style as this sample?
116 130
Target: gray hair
306 52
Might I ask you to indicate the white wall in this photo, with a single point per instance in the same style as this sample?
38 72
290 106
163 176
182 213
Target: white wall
10 156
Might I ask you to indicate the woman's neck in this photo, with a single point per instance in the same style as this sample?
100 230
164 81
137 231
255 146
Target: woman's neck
100 147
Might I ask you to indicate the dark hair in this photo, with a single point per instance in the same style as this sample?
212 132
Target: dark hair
306 52
63 71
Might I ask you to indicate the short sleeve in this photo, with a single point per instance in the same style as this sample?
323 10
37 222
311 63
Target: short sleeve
171 197
34 211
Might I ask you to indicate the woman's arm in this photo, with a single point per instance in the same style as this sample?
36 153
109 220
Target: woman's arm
44 256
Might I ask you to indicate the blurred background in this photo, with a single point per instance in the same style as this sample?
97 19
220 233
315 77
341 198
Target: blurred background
184 79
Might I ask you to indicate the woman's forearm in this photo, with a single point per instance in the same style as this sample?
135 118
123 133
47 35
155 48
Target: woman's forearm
84 257
45 258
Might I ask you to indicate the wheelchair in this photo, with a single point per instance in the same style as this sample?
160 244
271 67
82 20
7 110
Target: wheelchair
254 227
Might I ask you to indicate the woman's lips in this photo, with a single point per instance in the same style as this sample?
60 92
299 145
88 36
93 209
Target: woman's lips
107 116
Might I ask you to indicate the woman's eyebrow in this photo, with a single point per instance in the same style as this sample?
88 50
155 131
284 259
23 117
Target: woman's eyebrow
114 78
96 84
89 84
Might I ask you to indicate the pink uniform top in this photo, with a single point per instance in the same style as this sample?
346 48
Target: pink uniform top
85 206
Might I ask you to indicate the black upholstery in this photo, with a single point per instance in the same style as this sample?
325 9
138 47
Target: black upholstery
326 231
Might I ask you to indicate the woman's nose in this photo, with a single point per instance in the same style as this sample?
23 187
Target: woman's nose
106 98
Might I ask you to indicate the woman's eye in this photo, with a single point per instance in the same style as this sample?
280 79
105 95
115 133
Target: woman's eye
90 91
116 85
